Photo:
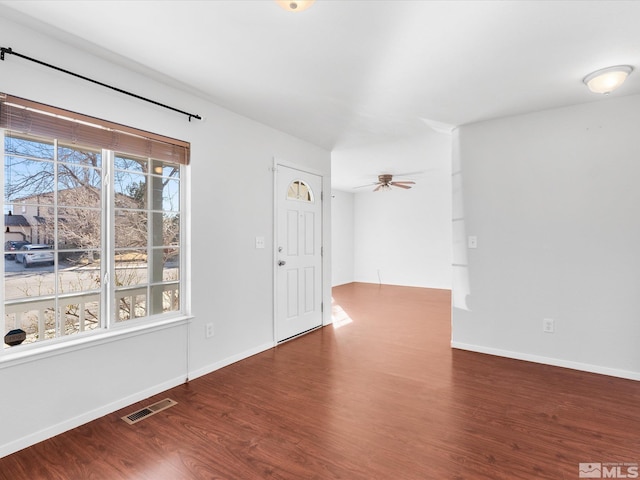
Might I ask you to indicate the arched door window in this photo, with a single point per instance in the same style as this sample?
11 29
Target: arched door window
299 190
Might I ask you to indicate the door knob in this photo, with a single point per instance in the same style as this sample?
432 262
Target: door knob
281 262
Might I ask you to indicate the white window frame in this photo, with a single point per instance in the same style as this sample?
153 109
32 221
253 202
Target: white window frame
109 330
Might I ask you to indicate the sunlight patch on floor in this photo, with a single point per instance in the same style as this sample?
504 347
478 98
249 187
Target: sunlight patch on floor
339 317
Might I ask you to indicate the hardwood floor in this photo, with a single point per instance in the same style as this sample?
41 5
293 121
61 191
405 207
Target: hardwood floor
382 396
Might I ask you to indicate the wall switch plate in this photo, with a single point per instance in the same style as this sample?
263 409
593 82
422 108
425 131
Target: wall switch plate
259 242
472 241
548 325
208 330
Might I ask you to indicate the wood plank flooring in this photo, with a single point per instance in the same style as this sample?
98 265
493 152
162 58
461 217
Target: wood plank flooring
380 395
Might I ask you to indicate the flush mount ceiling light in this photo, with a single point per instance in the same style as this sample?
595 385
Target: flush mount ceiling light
608 79
295 5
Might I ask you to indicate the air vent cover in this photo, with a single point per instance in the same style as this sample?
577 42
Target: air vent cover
148 411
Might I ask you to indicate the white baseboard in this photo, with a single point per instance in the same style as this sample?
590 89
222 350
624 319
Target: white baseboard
87 417
556 362
229 360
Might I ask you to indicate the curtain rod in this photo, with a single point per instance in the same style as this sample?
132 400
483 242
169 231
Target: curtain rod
4 50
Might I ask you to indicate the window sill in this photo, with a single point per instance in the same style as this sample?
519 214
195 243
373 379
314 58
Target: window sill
27 355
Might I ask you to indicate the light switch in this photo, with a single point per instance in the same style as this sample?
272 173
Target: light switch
259 242
472 241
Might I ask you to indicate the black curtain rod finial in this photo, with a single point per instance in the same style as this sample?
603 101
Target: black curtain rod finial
3 50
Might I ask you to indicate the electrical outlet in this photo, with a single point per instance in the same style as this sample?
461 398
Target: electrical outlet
472 241
208 332
548 325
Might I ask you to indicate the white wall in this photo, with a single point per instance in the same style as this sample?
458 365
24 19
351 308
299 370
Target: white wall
342 237
553 198
231 282
403 237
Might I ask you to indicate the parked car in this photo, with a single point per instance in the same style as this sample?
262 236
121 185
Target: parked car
30 254
12 246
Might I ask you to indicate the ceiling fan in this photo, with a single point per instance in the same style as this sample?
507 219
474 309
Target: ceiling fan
385 182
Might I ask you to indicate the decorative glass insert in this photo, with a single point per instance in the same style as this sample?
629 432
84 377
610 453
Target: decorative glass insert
299 190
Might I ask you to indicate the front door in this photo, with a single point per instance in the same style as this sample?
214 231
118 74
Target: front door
298 252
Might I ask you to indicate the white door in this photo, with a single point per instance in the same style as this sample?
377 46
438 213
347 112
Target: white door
298 252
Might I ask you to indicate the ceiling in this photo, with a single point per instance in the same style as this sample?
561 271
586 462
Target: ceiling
347 73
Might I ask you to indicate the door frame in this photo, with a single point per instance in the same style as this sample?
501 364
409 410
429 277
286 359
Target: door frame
324 265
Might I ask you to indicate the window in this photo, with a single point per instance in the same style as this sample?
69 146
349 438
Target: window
299 190
93 224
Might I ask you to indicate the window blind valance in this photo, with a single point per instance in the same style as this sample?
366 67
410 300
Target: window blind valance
25 116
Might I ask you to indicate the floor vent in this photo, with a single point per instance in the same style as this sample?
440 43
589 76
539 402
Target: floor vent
148 411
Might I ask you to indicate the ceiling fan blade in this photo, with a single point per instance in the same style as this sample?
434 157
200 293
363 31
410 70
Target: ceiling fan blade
410 174
405 182
395 184
378 187
368 185
416 174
